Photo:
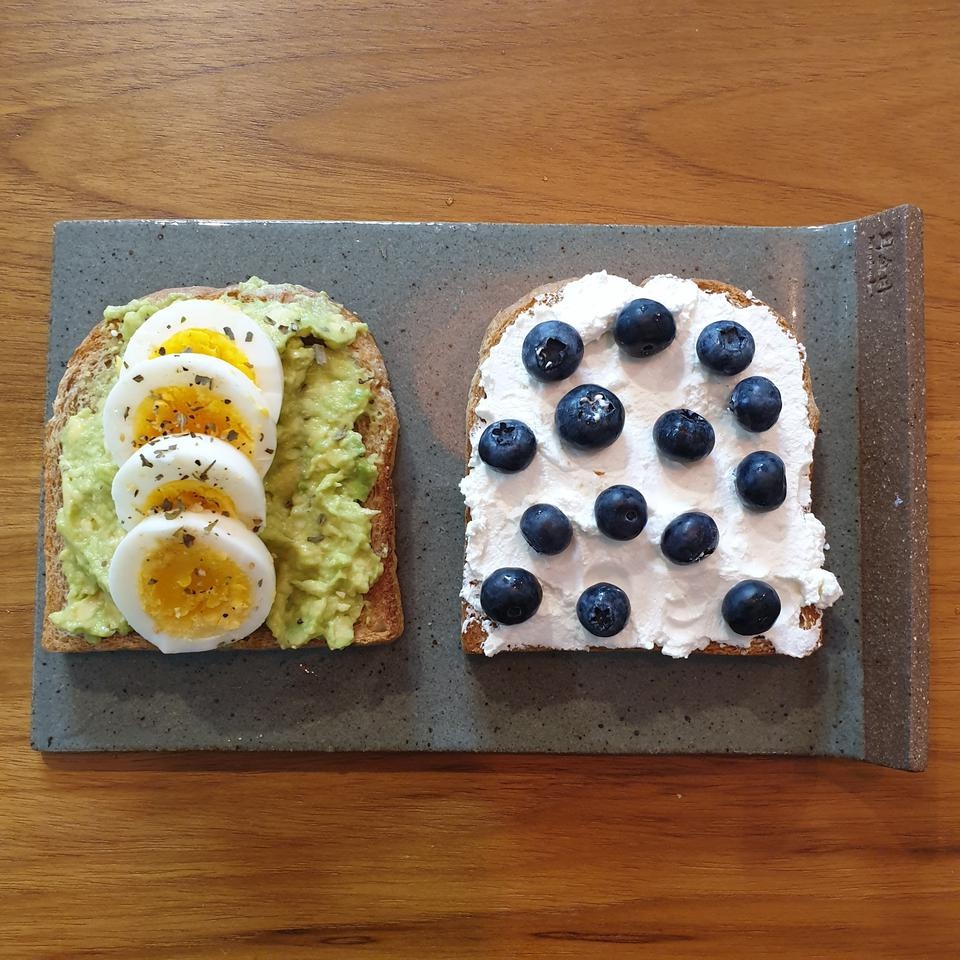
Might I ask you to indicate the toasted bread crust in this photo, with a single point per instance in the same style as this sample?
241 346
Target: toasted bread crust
381 619
474 634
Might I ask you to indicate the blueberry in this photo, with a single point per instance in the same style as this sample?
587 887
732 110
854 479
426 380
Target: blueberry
751 607
689 538
725 347
546 528
762 480
644 327
507 445
590 417
510 595
756 404
620 512
552 350
603 609
683 435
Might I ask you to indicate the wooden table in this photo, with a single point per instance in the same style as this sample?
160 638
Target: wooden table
598 111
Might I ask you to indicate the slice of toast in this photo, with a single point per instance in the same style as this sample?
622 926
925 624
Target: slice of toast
381 619
474 633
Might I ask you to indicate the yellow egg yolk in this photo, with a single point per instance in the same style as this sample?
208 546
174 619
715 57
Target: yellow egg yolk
211 343
189 494
189 590
168 411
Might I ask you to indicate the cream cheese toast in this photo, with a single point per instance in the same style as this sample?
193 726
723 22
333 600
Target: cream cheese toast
638 476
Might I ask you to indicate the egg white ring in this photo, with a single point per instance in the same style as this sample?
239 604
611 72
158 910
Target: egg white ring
220 466
246 334
228 536
181 370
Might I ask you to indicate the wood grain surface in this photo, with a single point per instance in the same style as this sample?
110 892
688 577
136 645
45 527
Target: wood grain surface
637 112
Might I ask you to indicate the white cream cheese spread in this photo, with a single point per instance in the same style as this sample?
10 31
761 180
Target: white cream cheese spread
674 608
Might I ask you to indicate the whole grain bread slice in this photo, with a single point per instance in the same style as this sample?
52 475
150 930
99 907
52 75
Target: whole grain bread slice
474 633
381 618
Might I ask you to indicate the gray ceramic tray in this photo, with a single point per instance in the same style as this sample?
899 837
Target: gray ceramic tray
428 291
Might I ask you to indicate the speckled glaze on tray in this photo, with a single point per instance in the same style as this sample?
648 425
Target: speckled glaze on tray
428 291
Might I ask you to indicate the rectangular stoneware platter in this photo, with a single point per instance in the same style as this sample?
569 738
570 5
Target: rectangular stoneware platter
428 290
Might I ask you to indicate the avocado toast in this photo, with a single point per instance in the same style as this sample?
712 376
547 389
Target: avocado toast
329 522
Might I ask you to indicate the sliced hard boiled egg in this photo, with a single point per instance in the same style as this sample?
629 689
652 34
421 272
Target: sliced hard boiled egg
215 329
190 472
188 393
192 583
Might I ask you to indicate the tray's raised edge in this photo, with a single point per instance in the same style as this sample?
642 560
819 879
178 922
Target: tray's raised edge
153 222
39 604
893 487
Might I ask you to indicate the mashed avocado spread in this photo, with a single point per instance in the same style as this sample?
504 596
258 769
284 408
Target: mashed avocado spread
316 528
